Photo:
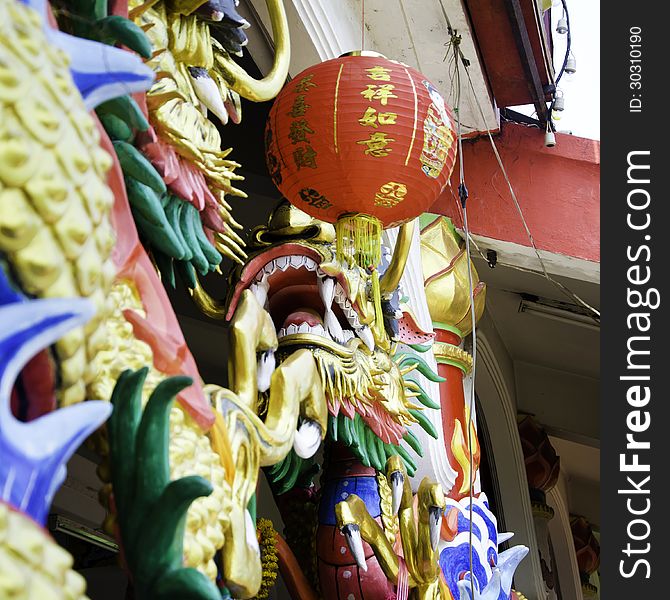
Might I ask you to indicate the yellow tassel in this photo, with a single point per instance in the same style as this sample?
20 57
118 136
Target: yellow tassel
359 239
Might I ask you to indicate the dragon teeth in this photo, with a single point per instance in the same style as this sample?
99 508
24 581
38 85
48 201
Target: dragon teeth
333 326
326 291
304 328
347 308
366 335
283 263
309 264
260 289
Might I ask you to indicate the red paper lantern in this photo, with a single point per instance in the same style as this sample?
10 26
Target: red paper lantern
361 135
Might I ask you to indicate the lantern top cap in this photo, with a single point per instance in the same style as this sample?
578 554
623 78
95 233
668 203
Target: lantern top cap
362 53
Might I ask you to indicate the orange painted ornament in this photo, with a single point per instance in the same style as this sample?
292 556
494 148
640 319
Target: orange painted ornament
362 140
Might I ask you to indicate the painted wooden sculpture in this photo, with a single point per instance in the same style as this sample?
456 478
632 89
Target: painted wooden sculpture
98 212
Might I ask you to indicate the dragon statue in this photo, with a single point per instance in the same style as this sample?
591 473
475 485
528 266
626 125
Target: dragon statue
113 186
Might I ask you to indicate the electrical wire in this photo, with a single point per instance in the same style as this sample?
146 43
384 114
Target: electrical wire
565 59
362 25
569 42
562 287
463 195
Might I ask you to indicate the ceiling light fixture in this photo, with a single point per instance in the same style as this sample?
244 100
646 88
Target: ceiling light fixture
549 310
562 25
549 136
559 101
82 532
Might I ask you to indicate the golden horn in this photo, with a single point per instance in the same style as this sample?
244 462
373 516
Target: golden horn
268 87
389 282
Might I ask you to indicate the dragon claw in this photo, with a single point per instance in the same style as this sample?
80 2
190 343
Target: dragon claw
352 534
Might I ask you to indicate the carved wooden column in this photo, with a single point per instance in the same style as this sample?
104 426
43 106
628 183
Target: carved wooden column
542 470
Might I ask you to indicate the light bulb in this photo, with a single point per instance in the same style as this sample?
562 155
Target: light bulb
562 26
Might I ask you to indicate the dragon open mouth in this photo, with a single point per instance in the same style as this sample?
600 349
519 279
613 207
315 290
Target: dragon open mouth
301 298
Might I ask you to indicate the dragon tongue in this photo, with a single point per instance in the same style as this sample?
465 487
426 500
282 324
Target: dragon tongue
303 315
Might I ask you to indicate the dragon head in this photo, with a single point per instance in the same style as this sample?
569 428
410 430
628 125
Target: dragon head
327 306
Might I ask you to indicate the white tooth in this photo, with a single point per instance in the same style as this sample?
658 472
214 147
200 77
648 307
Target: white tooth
304 328
326 291
297 261
347 308
281 333
319 330
366 335
291 329
266 366
307 439
310 265
283 262
270 268
250 531
333 326
319 272
260 289
352 317
352 534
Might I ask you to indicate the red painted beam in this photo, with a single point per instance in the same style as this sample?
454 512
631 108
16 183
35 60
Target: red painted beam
499 52
558 189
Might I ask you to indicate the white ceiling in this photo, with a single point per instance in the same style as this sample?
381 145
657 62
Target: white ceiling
557 374
411 31
556 363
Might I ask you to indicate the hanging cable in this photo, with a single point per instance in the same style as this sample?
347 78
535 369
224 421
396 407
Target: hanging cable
463 197
562 287
362 25
568 46
565 61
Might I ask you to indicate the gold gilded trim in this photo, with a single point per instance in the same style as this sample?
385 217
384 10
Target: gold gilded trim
452 353
337 91
416 116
